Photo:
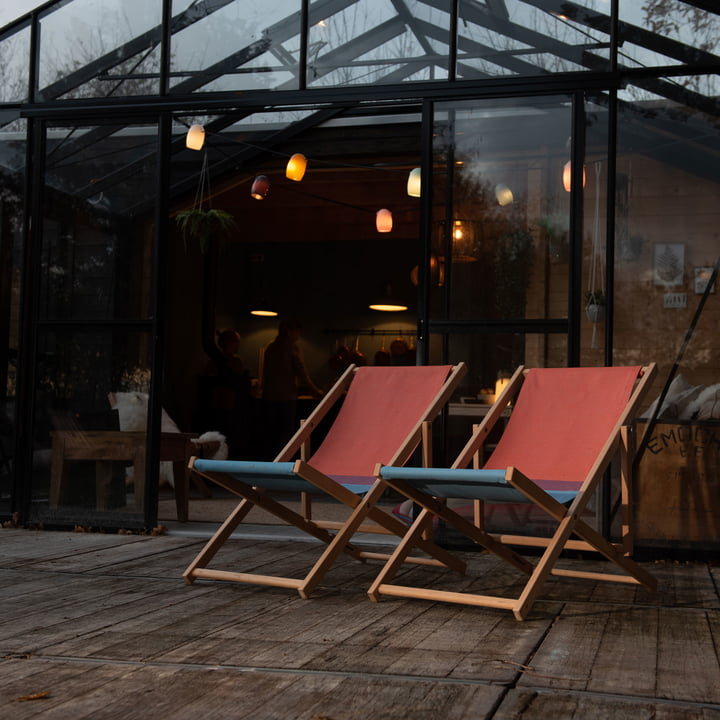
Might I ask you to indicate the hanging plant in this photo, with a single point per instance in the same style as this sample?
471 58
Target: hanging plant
595 305
198 224
201 222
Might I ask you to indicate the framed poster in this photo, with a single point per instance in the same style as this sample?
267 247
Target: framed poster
669 267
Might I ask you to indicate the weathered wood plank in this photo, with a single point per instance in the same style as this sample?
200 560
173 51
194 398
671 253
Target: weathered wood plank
687 635
627 655
531 705
566 656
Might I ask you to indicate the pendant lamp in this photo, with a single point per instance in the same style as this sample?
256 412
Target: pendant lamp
195 137
387 302
262 308
295 169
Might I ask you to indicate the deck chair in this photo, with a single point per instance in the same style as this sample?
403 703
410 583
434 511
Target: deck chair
565 427
384 415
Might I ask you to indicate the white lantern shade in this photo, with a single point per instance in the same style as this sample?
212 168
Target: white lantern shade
414 183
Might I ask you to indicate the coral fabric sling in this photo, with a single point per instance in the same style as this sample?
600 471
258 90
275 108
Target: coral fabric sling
561 420
379 411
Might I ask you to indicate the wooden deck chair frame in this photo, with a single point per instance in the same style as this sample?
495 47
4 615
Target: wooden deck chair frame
429 488
251 481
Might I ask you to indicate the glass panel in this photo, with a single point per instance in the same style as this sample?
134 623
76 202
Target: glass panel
84 470
14 61
499 166
371 42
529 38
668 186
99 48
667 32
94 334
237 45
99 213
12 179
592 342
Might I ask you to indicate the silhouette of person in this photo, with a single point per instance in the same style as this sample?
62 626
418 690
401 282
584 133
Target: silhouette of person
231 393
284 377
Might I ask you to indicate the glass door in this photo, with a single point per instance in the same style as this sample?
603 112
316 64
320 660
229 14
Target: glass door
515 242
91 326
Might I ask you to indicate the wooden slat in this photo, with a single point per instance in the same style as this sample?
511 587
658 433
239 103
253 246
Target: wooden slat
445 596
247 578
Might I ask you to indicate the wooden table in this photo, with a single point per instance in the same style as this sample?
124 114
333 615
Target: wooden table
106 447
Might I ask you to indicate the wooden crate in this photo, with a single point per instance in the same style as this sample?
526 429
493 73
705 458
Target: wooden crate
677 486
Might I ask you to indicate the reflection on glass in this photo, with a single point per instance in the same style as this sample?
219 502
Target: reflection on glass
12 150
373 43
668 188
14 60
668 32
529 39
501 214
236 46
99 48
99 214
91 388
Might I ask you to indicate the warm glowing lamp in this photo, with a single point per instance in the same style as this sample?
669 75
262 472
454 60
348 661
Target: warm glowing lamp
260 187
195 137
387 302
503 194
295 169
263 309
502 380
383 220
567 176
414 183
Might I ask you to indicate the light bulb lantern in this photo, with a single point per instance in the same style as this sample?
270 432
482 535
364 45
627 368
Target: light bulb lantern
260 187
414 183
567 176
383 220
295 169
195 137
463 241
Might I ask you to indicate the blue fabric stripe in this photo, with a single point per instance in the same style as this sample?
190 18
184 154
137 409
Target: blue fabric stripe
272 475
467 484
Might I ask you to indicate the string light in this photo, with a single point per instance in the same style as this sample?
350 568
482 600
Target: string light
295 169
414 183
260 187
383 220
195 137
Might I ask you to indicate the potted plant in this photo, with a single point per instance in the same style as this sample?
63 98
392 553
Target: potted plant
595 305
202 221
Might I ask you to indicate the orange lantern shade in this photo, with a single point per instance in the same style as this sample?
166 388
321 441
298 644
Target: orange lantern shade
295 169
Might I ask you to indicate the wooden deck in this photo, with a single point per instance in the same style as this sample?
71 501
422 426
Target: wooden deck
102 626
